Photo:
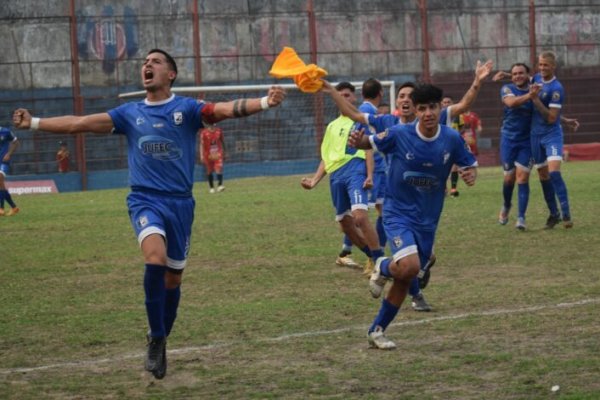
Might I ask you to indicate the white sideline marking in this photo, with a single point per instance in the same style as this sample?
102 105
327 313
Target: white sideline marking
194 349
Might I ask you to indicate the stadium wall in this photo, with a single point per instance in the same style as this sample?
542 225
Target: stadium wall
63 57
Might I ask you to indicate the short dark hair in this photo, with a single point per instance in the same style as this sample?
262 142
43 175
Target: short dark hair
519 64
409 84
345 85
170 60
371 88
426 93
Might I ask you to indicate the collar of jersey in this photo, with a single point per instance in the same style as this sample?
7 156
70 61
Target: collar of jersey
159 103
425 138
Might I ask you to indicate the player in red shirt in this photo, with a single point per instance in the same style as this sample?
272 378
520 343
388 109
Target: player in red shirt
212 150
471 127
63 157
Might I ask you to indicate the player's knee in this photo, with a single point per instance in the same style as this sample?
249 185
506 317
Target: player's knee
173 278
405 269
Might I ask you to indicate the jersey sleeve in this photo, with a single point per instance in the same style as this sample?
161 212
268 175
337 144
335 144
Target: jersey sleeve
463 156
382 122
506 91
556 97
384 142
118 117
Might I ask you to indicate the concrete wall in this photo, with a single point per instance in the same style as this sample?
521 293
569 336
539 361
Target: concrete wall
239 39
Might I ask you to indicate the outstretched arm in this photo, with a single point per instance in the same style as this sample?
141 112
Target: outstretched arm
571 123
95 123
244 107
481 72
345 107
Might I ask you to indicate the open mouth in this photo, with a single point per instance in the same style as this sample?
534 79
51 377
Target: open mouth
148 75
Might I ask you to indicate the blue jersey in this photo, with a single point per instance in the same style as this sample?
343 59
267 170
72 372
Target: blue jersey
370 109
418 170
161 137
552 96
6 138
516 124
382 122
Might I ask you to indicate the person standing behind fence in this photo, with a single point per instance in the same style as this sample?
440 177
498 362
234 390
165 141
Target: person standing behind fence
63 157
212 153
8 145
161 134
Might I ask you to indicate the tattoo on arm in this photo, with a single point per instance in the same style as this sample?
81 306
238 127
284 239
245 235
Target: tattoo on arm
239 108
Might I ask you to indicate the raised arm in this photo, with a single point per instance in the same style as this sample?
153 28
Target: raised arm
95 123
244 107
481 72
345 107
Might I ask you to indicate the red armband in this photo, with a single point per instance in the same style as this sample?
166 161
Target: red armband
208 114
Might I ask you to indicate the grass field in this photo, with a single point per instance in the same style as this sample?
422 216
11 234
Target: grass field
266 313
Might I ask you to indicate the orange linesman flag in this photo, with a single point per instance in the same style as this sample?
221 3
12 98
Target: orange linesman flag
289 65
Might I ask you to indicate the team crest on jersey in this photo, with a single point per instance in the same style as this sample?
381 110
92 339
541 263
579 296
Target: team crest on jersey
143 221
397 241
555 96
178 117
382 135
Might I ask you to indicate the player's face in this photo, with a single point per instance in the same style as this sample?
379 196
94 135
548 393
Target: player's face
546 68
428 115
519 76
447 101
156 72
404 103
348 95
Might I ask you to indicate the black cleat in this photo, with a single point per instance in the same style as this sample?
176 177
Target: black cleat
156 359
426 272
552 221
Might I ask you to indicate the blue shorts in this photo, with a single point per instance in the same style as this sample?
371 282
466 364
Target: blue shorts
4 168
515 153
405 240
169 216
377 193
547 147
347 194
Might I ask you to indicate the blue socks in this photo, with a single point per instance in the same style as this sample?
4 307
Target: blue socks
384 267
507 192
523 194
386 315
5 195
171 304
549 196
381 232
414 288
561 192
154 287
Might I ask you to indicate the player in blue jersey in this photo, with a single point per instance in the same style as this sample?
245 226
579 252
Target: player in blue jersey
350 179
420 158
161 138
515 145
8 145
547 136
372 93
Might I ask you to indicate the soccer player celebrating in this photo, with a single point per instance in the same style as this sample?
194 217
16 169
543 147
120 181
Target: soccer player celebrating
350 179
421 157
515 146
547 135
161 137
